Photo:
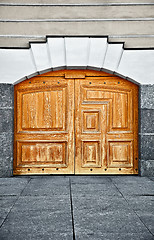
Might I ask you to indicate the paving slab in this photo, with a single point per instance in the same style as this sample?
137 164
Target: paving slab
117 221
129 179
151 178
99 204
90 179
46 187
6 203
41 203
41 180
114 236
145 189
94 189
143 203
42 224
147 218
12 186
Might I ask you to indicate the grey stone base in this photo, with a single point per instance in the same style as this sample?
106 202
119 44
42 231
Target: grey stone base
147 168
6 129
146 129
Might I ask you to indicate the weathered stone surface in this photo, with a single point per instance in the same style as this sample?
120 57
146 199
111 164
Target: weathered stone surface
90 179
47 181
6 120
147 168
43 224
13 188
6 203
151 178
42 188
6 95
148 218
147 96
6 171
94 189
141 203
146 147
129 179
92 203
117 221
6 129
115 236
54 204
6 145
147 120
6 154
136 189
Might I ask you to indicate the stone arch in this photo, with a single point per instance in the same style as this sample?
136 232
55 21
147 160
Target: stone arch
77 53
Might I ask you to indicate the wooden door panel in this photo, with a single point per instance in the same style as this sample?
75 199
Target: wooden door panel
91 154
42 153
105 127
119 101
42 109
120 153
37 113
44 126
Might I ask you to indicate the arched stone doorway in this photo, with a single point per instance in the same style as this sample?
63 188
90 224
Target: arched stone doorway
76 122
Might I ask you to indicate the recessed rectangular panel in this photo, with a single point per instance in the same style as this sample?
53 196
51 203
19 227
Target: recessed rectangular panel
120 110
97 95
119 100
43 153
120 153
91 154
91 121
43 110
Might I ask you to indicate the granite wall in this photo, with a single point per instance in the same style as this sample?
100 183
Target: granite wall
146 130
6 129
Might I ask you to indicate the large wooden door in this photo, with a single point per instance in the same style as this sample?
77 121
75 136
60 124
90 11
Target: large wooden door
76 122
44 127
106 126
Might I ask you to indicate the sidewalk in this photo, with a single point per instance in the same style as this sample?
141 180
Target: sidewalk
77 207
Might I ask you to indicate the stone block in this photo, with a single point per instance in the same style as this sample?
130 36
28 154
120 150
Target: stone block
6 154
147 96
6 120
147 120
6 145
6 167
147 168
146 143
6 95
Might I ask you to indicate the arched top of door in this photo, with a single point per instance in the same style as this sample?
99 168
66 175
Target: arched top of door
76 74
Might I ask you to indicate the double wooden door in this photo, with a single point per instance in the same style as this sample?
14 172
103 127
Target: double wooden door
76 122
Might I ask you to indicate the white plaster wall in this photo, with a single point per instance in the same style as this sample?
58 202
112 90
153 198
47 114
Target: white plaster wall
84 52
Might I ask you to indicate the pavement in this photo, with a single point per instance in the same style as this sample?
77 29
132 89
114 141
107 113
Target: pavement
77 208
